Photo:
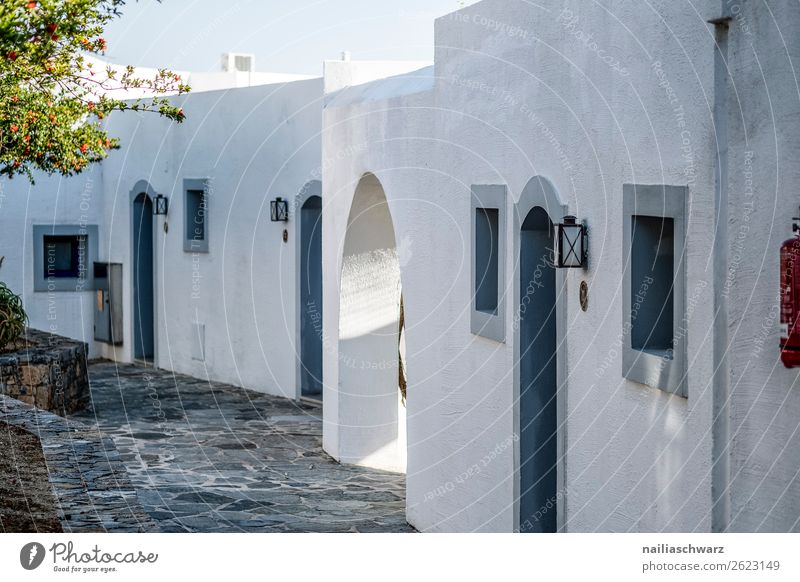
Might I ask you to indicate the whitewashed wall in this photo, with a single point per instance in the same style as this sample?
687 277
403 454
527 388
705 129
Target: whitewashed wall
588 97
76 201
254 144
517 95
764 181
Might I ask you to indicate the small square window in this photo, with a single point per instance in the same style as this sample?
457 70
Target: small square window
652 284
196 216
488 256
62 256
654 289
486 259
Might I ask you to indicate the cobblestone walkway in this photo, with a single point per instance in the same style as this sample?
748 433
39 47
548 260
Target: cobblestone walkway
211 457
89 481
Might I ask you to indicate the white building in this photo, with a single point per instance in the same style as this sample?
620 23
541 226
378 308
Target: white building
659 404
216 309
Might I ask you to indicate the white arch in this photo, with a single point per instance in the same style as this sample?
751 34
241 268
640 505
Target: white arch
371 413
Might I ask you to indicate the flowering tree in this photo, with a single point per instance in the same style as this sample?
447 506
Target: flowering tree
53 99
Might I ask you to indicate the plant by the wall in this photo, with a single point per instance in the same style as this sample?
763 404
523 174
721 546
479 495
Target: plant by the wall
13 318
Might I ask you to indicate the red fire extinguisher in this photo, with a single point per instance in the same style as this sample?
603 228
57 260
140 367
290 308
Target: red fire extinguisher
790 299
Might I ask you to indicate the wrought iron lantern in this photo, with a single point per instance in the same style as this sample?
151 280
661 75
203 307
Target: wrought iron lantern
161 205
573 248
279 210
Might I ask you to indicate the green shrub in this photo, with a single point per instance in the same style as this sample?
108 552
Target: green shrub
13 318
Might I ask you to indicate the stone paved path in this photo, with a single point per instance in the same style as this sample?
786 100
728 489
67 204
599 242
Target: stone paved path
211 457
90 483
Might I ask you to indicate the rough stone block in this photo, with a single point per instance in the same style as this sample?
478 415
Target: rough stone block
50 372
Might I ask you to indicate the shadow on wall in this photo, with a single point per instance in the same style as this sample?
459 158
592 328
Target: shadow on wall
372 414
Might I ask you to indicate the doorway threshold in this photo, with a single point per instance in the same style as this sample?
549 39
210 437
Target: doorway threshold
144 363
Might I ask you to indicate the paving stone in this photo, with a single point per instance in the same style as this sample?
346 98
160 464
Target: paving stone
204 497
90 482
213 457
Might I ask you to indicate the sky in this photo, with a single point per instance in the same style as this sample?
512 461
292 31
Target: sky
287 36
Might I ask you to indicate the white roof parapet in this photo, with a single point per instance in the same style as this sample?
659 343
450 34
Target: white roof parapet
417 81
198 81
341 74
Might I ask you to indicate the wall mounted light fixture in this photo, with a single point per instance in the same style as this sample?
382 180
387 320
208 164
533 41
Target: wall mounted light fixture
279 210
161 205
573 248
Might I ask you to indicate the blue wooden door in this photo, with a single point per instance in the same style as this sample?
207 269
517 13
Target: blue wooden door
538 380
311 297
143 300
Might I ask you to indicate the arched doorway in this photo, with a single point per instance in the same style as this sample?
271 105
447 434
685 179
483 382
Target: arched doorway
538 376
371 406
311 298
143 273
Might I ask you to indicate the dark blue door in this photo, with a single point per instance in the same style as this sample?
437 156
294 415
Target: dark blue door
311 297
143 304
537 363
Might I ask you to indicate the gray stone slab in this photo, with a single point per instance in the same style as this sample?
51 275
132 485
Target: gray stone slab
210 457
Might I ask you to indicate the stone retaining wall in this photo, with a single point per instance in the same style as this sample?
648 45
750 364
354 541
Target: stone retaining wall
49 373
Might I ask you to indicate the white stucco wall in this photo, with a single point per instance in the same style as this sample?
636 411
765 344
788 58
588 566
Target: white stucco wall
253 144
588 98
345 73
516 96
51 201
764 178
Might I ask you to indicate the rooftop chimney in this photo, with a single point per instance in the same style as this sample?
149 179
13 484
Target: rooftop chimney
238 62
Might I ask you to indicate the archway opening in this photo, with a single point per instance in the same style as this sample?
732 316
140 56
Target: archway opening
143 273
311 298
538 418
372 427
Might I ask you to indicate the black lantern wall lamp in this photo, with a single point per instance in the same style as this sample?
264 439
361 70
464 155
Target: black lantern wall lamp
161 205
573 244
279 210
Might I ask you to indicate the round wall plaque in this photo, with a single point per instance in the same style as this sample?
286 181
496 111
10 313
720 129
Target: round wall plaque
584 295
